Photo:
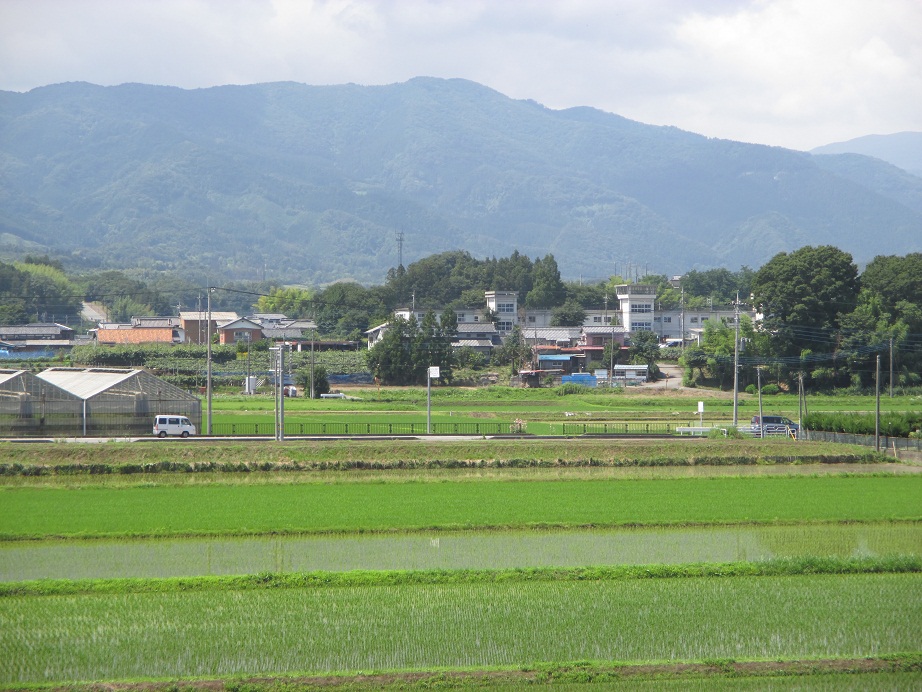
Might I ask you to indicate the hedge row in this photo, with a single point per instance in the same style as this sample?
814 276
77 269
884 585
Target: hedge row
891 424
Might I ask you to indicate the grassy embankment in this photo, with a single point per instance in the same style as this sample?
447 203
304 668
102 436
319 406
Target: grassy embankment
17 459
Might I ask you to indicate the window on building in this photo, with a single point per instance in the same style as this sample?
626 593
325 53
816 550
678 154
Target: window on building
531 318
596 318
694 320
505 307
641 326
504 326
667 319
642 307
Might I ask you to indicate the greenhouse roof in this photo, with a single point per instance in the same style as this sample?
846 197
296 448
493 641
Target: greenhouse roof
6 375
86 382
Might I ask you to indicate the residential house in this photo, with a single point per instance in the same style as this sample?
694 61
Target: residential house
36 340
141 330
481 337
241 329
195 324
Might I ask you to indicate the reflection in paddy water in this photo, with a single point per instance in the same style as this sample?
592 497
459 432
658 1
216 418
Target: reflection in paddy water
27 560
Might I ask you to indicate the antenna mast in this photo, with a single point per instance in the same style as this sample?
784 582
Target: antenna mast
399 248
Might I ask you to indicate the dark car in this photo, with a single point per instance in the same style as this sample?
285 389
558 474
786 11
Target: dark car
774 425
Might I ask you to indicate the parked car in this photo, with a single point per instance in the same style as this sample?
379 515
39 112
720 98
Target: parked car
774 425
173 425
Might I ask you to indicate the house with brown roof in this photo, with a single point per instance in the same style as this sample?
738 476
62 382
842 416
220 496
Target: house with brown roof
194 324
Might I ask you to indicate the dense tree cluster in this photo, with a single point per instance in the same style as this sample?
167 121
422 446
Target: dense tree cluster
409 348
823 321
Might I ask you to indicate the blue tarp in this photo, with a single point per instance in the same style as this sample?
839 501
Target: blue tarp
583 378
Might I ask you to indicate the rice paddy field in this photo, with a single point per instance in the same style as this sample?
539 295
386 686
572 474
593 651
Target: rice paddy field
783 566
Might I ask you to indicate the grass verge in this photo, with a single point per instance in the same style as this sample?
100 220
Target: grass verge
167 456
893 564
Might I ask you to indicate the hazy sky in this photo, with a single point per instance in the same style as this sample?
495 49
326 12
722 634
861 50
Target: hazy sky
794 73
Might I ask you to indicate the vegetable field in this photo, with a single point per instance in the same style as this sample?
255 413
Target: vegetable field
490 575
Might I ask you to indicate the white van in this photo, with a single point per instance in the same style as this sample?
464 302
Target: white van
173 425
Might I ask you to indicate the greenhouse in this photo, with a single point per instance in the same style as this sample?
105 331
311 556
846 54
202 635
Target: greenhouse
31 406
109 402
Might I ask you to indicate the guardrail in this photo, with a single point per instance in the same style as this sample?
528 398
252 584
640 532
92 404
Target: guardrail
770 431
342 428
629 428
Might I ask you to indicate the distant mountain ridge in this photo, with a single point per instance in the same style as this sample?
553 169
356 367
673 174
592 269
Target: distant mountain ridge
314 183
901 149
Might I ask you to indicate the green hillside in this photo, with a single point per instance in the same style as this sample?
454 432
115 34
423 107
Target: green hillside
312 184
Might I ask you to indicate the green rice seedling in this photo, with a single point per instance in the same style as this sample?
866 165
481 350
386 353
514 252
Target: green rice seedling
316 508
464 625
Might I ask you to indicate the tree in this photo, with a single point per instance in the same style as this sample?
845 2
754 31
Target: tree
802 295
894 279
123 296
13 295
48 293
570 314
694 359
720 285
390 360
408 348
645 350
514 351
345 309
547 289
291 302
321 383
610 358
588 296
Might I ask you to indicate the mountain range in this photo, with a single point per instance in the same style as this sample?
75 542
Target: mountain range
312 184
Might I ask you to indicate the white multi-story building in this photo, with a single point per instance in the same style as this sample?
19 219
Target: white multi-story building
638 306
505 305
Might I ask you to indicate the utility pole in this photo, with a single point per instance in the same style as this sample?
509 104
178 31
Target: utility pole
682 319
208 362
891 367
313 338
736 363
877 411
279 390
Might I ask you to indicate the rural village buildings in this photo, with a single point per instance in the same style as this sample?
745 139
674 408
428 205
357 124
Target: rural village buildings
564 349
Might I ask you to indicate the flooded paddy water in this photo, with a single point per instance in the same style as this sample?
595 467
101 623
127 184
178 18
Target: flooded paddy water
95 559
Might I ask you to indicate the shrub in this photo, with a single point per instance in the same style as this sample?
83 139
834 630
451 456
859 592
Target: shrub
770 389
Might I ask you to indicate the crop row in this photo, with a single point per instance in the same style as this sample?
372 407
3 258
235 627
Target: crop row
348 507
356 628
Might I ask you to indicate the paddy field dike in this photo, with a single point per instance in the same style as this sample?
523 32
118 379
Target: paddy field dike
575 563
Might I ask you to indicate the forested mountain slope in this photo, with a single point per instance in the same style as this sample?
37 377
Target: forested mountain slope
313 184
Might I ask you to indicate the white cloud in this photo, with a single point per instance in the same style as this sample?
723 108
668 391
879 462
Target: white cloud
792 72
